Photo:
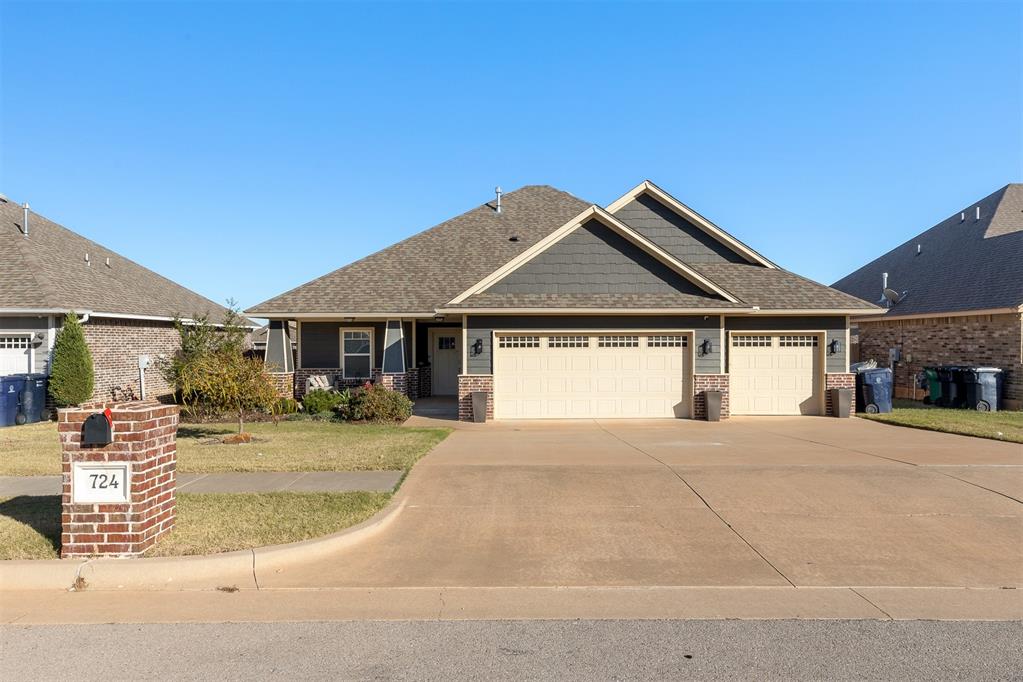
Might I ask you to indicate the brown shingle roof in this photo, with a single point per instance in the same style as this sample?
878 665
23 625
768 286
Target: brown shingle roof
776 289
965 263
48 271
486 299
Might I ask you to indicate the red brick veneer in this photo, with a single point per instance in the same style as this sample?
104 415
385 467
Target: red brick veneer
144 434
115 346
709 382
467 383
843 380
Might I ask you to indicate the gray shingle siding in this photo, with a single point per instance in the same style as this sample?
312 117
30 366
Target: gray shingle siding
834 325
674 234
482 327
594 260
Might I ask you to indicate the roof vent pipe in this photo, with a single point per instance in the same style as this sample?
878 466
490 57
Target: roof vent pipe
24 227
978 213
497 206
919 248
962 217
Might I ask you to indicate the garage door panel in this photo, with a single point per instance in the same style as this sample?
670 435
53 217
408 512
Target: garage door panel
586 376
774 374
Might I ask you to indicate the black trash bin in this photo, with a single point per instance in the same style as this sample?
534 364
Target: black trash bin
951 386
33 398
982 387
874 390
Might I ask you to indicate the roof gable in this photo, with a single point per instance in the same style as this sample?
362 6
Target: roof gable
972 260
606 241
680 229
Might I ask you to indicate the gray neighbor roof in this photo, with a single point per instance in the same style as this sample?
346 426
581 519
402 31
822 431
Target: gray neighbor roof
426 271
964 262
48 271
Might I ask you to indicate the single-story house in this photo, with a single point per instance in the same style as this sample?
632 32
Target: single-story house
559 308
127 310
955 297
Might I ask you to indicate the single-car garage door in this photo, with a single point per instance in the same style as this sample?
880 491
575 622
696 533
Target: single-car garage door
570 376
14 358
774 374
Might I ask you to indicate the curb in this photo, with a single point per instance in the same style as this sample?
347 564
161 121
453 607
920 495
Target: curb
238 569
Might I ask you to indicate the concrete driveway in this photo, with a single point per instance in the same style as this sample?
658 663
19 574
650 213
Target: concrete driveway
746 502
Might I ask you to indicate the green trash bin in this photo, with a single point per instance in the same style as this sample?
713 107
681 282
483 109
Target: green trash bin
933 386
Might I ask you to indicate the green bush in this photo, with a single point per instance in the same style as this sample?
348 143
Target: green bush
287 406
379 404
71 371
319 400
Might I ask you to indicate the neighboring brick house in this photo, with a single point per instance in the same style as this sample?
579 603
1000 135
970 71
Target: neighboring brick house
960 289
127 311
558 308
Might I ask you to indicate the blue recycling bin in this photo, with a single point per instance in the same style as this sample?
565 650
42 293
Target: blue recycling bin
33 398
10 398
982 388
874 390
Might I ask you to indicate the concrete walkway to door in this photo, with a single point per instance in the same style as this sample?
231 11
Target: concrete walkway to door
745 502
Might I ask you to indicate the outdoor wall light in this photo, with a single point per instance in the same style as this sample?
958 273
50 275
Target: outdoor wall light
477 346
835 347
706 347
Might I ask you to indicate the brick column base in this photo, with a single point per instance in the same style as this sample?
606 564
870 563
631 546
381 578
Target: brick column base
709 382
284 382
144 437
412 384
842 380
394 382
467 383
425 381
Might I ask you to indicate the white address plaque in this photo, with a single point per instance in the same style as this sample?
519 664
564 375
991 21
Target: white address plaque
100 483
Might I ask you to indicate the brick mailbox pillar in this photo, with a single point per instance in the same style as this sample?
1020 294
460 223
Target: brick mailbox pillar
118 499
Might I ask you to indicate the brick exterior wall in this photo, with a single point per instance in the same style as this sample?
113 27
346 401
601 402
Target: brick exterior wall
144 435
467 383
709 382
394 382
116 345
408 382
425 381
284 383
831 381
988 340
301 375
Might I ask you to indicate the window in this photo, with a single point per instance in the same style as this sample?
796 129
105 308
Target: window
751 341
518 342
666 341
14 342
357 354
445 343
802 341
568 342
617 342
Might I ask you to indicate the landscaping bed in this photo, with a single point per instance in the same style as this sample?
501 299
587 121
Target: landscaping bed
1007 426
305 445
206 523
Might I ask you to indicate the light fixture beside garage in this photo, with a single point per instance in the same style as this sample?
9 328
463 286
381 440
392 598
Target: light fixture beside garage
834 347
706 347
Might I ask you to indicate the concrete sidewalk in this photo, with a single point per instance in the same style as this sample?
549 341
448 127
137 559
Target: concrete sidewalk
258 482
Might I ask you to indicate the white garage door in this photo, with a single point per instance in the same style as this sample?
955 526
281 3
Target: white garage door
774 374
570 376
14 358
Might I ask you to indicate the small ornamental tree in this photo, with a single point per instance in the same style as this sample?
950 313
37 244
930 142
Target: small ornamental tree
71 377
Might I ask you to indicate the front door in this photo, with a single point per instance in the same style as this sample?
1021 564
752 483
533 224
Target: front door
446 360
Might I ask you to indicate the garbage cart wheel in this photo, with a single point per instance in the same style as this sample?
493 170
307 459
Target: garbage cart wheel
872 409
983 406
20 419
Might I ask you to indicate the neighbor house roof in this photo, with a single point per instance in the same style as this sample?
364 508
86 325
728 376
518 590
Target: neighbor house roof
47 271
972 260
452 266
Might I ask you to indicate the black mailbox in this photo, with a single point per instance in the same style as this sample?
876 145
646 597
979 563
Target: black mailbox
96 429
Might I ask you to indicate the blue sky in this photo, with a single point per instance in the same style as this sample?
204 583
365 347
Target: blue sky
243 149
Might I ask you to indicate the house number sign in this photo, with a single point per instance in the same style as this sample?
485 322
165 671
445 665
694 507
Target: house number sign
100 483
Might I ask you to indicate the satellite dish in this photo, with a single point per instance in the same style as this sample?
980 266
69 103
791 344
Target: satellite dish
893 296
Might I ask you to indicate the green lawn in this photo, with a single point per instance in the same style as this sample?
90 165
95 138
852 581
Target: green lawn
287 446
206 524
1007 426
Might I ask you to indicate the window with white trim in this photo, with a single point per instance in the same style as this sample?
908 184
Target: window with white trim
445 343
617 342
670 341
747 341
568 342
518 341
357 354
799 341
18 342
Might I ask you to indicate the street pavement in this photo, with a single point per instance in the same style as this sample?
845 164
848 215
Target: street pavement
562 650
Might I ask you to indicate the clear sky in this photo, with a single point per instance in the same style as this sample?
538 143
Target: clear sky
243 149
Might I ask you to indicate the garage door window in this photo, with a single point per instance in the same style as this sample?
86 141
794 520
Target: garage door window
751 341
14 342
568 342
666 341
518 342
808 341
618 342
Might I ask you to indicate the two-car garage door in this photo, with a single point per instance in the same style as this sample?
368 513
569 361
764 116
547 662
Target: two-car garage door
774 374
571 376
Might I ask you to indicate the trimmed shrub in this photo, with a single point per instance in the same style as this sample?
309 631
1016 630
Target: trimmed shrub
71 377
380 404
319 401
287 406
